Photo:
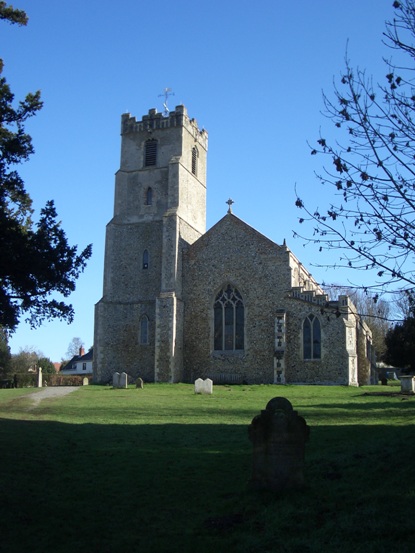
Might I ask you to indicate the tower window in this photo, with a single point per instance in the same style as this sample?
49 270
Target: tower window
150 155
311 338
145 259
144 330
195 155
149 196
228 320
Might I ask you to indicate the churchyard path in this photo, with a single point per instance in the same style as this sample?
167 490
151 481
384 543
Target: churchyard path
50 392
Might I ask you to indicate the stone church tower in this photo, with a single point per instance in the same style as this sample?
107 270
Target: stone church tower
159 209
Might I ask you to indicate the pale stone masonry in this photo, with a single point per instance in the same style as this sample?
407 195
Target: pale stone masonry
229 304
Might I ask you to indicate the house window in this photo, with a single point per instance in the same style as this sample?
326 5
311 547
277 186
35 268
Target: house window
84 366
311 338
150 154
144 330
228 320
145 259
149 196
195 155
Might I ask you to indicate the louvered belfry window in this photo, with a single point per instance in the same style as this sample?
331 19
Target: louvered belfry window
150 157
195 155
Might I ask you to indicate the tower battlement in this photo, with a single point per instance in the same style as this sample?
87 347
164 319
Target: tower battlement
154 120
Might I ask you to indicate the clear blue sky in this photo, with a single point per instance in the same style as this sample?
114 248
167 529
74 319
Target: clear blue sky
251 73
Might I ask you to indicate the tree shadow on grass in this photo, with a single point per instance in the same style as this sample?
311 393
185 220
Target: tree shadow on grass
171 487
386 410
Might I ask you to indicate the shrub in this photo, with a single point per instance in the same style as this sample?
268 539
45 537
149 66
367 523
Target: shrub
65 380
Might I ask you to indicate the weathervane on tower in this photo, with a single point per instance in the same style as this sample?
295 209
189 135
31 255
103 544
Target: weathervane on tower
167 92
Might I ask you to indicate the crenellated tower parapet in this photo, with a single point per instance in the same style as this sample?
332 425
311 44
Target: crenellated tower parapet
155 121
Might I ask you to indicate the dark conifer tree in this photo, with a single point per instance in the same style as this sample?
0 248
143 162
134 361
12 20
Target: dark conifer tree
36 261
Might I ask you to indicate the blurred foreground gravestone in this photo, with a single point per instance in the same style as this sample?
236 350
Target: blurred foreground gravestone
407 384
278 436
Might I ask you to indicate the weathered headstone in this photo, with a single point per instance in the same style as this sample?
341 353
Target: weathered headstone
198 386
85 381
123 380
278 436
407 384
203 386
39 378
116 380
139 383
208 386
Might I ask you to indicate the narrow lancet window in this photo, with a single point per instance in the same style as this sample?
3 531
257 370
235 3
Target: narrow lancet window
149 196
145 259
195 155
311 338
144 330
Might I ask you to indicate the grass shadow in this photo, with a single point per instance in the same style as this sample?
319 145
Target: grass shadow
172 487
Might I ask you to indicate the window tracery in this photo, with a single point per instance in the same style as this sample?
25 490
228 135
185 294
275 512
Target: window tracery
228 320
311 338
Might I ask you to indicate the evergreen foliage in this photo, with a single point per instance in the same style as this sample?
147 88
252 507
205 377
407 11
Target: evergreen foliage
36 261
400 344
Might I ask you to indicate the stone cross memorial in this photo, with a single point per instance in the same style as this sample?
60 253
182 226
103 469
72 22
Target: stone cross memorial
278 436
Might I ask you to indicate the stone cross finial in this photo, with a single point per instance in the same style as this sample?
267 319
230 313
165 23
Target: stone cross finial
230 202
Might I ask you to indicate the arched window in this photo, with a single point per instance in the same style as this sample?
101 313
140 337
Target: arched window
145 259
150 153
311 338
144 330
149 196
195 155
228 320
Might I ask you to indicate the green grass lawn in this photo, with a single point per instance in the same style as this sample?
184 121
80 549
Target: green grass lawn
164 470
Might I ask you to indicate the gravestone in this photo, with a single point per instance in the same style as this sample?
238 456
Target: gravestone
116 380
278 436
203 386
123 380
139 383
208 386
407 384
85 381
198 386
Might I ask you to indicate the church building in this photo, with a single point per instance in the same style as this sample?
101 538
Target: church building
181 303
